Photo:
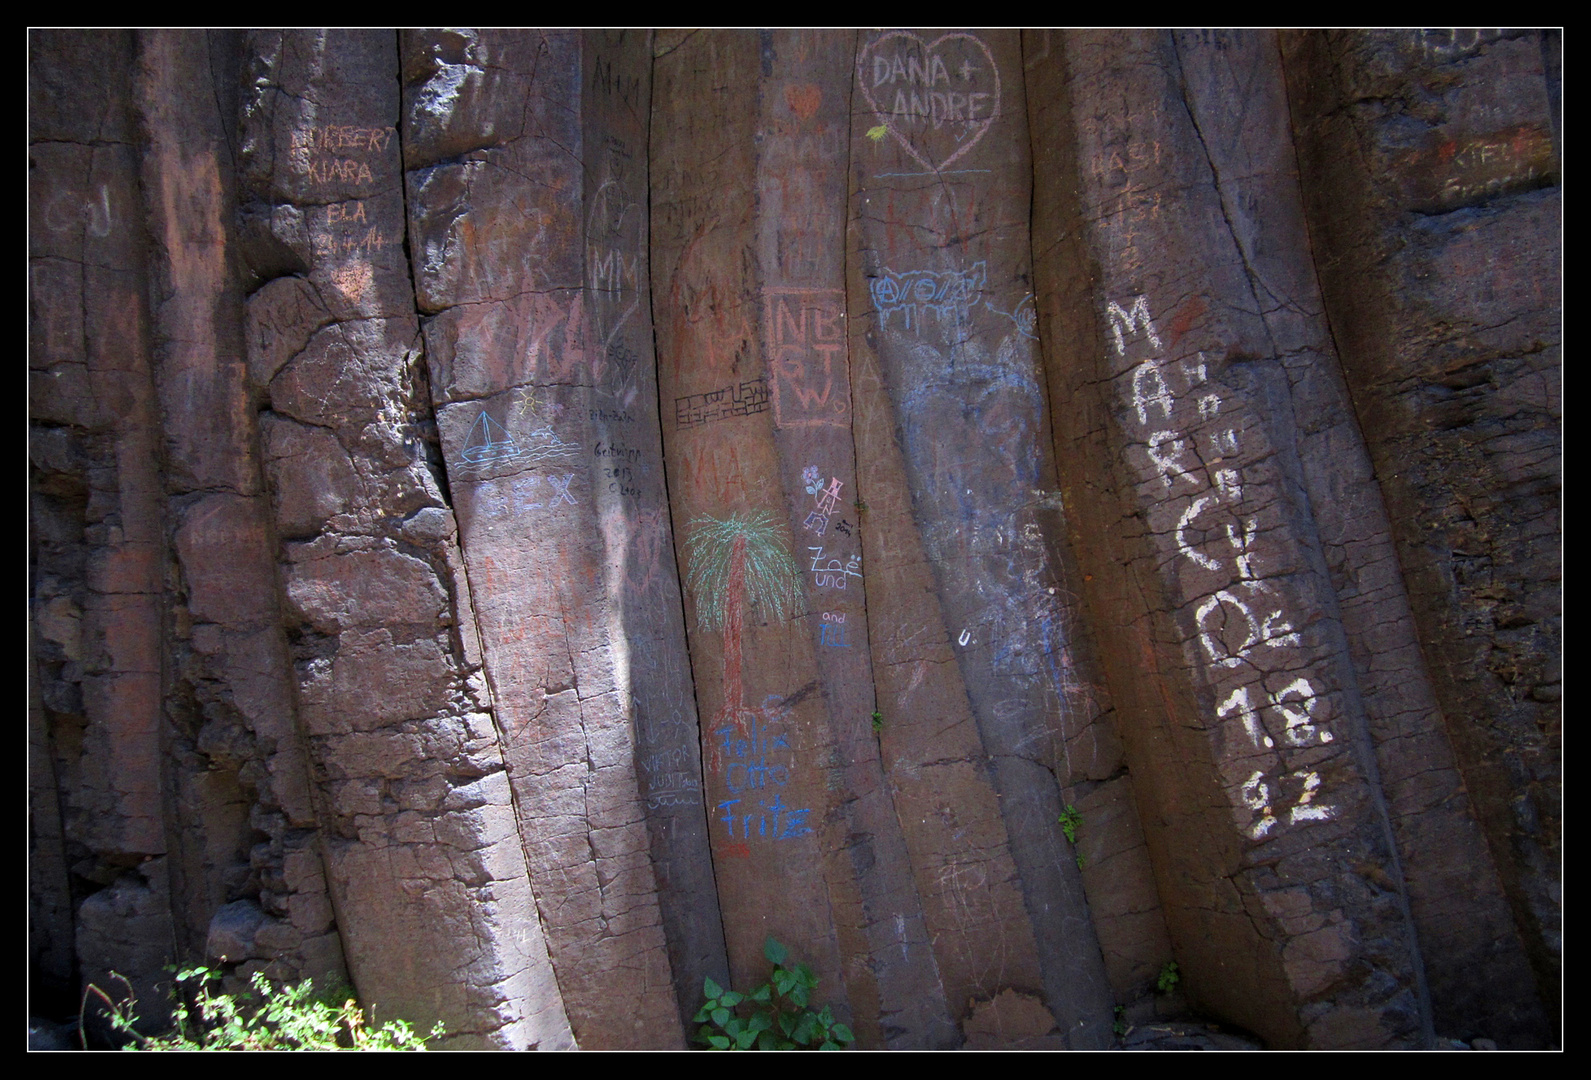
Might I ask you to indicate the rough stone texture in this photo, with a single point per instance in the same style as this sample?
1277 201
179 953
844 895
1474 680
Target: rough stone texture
425 871
940 205
1093 502
1430 170
519 379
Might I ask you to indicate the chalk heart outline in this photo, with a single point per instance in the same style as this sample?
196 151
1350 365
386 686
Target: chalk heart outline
887 119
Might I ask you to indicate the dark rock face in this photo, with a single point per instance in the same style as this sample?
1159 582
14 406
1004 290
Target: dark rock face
518 518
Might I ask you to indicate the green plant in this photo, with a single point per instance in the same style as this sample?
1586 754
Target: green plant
1081 862
1120 1026
1169 978
269 1018
1070 819
781 1017
878 722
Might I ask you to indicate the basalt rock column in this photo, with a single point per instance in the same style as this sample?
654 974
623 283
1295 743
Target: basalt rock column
1430 176
229 691
418 825
802 182
766 742
98 551
1189 363
494 145
940 199
632 499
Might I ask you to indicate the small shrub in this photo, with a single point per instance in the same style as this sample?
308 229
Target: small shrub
781 1017
1169 978
1070 819
271 1018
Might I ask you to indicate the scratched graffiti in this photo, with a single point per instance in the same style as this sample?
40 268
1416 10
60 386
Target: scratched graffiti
1238 622
738 399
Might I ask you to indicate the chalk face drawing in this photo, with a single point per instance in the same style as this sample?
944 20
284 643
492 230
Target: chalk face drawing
806 356
1237 623
730 559
492 448
936 98
738 399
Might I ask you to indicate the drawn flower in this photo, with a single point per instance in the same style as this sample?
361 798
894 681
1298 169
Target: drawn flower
812 479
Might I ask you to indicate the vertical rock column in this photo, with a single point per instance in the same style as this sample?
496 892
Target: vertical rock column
1256 763
229 692
803 99
98 555
940 204
421 842
493 142
1430 171
646 621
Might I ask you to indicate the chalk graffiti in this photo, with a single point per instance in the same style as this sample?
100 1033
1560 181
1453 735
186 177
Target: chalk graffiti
832 630
1231 631
806 355
833 575
825 500
937 98
747 757
948 295
730 559
491 450
788 822
740 399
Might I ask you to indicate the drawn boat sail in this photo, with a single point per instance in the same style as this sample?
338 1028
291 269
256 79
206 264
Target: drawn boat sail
488 441
489 450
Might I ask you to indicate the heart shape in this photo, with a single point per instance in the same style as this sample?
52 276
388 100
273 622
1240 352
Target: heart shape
803 99
918 103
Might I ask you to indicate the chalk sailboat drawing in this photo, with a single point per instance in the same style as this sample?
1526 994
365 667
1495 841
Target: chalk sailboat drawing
489 449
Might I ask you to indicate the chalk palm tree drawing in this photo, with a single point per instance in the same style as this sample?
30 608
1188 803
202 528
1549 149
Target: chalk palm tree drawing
730 558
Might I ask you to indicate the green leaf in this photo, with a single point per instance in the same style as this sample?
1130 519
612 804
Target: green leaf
804 974
774 951
703 1013
827 1045
720 1016
761 1022
745 1039
711 989
799 995
842 1033
732 999
767 1041
877 133
763 993
719 1042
